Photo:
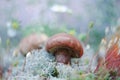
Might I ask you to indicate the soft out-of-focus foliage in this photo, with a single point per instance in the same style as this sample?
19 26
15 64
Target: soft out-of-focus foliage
37 28
52 16
89 21
95 38
108 9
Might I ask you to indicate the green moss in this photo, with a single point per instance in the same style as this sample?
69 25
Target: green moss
54 72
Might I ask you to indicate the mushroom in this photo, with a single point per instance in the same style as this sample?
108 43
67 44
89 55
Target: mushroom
33 41
29 43
64 47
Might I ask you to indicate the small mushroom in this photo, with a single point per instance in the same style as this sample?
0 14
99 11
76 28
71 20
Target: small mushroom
64 46
33 41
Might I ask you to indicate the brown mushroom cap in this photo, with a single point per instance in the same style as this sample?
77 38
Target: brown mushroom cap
33 41
64 40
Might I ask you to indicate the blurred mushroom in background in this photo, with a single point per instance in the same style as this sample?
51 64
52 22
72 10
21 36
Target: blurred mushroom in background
31 42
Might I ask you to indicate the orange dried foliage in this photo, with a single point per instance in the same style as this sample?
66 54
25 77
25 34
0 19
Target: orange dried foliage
112 59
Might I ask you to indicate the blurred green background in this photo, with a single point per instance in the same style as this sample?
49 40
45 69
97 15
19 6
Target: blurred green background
87 20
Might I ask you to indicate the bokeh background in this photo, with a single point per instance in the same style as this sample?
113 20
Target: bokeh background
19 18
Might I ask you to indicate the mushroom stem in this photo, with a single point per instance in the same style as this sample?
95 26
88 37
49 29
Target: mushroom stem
63 56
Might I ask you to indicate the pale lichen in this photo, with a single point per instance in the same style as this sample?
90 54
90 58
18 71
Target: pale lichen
40 64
